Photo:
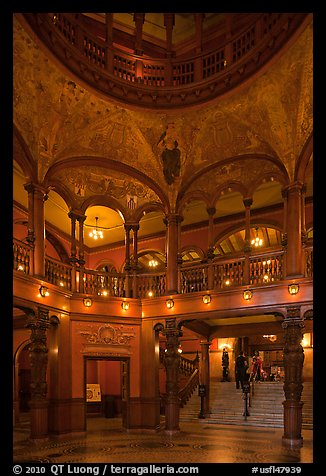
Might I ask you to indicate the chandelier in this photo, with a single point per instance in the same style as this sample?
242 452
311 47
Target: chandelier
96 233
153 263
257 241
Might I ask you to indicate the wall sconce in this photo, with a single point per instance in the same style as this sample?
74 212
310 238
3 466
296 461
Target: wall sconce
87 302
293 288
207 298
44 291
169 303
247 295
125 305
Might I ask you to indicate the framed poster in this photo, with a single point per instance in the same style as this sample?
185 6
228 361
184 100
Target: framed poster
93 392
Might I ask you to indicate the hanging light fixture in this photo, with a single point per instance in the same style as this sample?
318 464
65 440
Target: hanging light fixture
96 233
257 241
153 263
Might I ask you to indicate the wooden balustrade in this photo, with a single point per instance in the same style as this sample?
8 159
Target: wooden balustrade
102 283
151 285
155 72
22 253
58 273
264 268
227 273
194 278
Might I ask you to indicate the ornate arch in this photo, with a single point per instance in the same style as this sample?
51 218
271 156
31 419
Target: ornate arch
303 160
23 157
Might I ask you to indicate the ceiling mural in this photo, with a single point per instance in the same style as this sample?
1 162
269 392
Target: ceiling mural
84 182
60 119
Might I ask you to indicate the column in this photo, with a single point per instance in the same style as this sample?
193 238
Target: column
205 374
135 229
37 196
73 251
198 18
38 353
127 267
179 256
81 256
30 233
247 248
139 19
172 254
293 230
293 363
169 23
210 245
109 40
172 362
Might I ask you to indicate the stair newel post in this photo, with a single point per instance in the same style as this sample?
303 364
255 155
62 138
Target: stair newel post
293 363
204 374
172 363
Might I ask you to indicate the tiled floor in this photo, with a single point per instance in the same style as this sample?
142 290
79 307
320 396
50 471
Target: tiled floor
107 442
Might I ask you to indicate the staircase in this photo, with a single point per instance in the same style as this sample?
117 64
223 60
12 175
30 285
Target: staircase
266 408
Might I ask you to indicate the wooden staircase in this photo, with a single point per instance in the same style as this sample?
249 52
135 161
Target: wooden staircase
227 405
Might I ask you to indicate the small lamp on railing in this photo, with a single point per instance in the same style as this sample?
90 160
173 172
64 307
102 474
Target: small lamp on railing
247 295
293 288
87 302
125 305
44 292
169 303
207 298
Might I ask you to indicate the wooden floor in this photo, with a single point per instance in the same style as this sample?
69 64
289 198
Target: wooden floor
197 442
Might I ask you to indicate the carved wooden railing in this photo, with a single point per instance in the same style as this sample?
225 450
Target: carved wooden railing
151 285
102 283
164 81
189 368
264 268
21 255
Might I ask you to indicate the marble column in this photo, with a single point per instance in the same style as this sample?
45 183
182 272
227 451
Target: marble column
127 266
135 229
293 325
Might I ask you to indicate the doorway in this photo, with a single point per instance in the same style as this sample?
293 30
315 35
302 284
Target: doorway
106 388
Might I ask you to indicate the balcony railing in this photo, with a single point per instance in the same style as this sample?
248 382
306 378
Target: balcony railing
170 80
220 273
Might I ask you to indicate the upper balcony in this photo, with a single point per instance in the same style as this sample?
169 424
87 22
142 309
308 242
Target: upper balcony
210 65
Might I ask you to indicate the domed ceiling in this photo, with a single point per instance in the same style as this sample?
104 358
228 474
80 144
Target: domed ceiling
118 152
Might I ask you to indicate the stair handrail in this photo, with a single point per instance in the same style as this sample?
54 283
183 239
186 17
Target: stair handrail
186 392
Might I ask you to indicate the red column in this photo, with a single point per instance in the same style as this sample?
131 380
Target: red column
293 362
198 17
172 253
247 248
293 231
135 229
127 259
38 353
36 222
172 362
169 24
139 19
109 40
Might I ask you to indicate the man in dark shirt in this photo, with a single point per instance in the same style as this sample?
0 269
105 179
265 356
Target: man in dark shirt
241 366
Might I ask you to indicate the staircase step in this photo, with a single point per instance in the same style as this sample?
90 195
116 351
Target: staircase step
227 405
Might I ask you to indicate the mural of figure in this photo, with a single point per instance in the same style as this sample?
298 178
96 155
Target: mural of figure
171 161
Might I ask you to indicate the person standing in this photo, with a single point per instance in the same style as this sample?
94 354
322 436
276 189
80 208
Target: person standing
241 366
225 365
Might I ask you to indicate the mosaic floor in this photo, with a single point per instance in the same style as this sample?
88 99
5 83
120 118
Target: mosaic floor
107 442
